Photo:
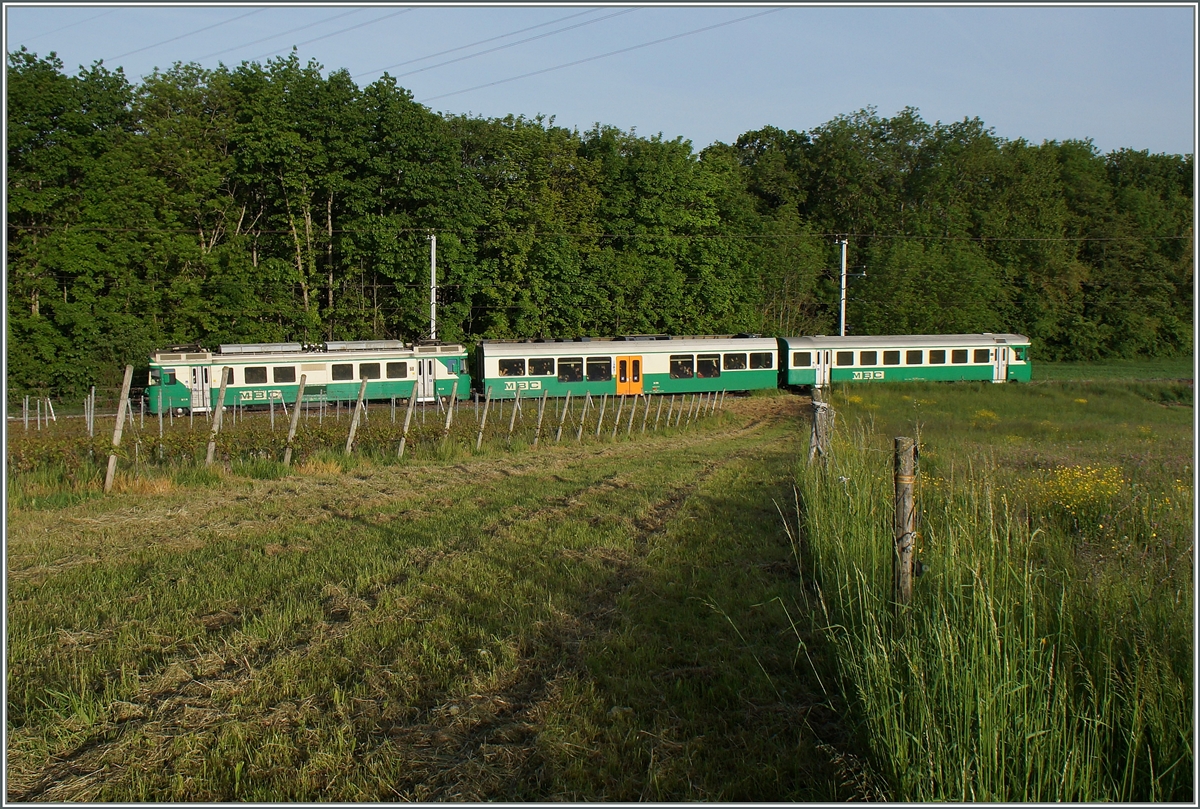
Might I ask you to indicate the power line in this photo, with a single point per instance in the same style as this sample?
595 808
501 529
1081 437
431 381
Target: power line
188 34
603 55
335 33
473 44
285 33
65 27
514 44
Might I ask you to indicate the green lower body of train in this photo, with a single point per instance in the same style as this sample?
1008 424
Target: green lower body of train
178 396
532 386
1020 372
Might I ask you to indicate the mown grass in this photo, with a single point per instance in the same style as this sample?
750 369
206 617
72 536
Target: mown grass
580 622
1047 655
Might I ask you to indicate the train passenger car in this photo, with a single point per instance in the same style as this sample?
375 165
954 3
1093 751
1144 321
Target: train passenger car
819 360
260 373
625 365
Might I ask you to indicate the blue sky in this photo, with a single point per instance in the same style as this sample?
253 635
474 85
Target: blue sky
1123 76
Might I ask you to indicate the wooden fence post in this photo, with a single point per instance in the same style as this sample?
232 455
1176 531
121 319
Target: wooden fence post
617 420
512 422
450 411
483 421
645 412
217 409
587 402
600 421
112 458
362 389
905 517
287 453
658 411
412 397
563 418
822 427
633 403
537 433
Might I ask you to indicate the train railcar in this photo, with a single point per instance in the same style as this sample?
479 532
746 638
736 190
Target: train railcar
261 373
817 361
626 365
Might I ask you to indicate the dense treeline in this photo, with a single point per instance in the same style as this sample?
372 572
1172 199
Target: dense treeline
272 202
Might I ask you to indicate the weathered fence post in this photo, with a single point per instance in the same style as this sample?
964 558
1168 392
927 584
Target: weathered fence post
600 421
217 409
617 420
822 427
362 389
512 422
450 411
54 418
412 397
632 411
645 413
587 402
287 452
112 458
658 411
483 421
537 433
563 418
905 517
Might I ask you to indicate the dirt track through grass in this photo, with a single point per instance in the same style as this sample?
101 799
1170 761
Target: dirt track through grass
574 623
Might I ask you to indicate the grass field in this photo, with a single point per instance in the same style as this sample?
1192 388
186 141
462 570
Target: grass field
1047 654
552 624
1155 368
692 614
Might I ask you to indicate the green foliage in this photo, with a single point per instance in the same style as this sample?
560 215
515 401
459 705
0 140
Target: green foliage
281 202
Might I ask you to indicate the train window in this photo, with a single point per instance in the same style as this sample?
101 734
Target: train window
868 357
891 358
256 376
228 376
397 370
541 366
708 366
637 370
735 362
512 367
570 369
937 357
368 370
913 357
599 369
1020 352
682 366
845 358
801 359
983 355
284 373
342 372
958 356
762 360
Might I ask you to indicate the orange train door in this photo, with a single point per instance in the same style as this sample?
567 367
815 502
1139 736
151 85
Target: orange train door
629 375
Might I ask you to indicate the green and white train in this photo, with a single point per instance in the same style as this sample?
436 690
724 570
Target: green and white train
189 378
261 373
819 361
625 366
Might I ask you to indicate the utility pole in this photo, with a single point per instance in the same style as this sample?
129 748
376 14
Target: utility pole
433 286
843 318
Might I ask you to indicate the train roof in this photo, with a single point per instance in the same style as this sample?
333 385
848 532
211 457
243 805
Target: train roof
905 340
243 353
615 346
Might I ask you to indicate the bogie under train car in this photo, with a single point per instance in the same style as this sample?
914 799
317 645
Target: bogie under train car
625 365
818 361
261 373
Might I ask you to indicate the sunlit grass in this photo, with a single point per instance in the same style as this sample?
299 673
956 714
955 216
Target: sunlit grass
1046 655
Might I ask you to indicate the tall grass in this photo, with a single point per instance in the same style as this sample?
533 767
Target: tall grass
1021 670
